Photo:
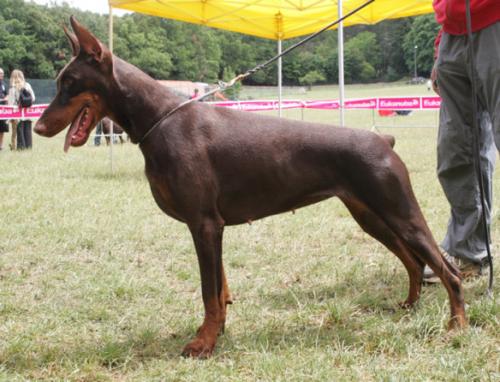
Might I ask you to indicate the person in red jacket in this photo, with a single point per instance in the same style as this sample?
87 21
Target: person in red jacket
464 243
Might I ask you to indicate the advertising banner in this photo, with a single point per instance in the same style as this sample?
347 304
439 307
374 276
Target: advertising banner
380 103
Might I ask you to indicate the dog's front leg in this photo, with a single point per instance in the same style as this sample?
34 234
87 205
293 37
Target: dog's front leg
207 236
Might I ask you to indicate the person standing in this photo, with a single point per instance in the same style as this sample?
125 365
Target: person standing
464 242
98 133
17 84
4 127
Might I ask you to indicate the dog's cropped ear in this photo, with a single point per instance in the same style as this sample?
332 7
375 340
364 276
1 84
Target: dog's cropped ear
75 46
89 43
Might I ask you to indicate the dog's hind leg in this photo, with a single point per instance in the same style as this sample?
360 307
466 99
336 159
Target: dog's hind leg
377 228
388 194
207 236
418 239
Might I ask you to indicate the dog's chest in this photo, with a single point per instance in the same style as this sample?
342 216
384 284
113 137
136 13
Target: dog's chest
163 196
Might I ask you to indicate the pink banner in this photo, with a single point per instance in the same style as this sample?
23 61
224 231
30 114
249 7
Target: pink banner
260 105
34 111
362 103
397 103
431 102
14 112
383 103
10 112
322 105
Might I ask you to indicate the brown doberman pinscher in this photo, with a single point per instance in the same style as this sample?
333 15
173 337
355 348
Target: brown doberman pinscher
213 167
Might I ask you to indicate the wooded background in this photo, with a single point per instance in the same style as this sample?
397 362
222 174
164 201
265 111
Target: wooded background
32 39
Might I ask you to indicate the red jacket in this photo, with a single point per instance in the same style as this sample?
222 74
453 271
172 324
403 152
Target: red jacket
451 14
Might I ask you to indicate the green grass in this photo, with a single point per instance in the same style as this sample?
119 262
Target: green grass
97 284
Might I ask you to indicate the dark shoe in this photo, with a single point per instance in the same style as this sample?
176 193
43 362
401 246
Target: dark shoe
468 269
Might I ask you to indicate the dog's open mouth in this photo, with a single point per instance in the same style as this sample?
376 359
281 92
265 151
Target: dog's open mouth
80 128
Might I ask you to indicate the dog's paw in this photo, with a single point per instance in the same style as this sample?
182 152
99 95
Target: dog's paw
407 304
457 323
198 349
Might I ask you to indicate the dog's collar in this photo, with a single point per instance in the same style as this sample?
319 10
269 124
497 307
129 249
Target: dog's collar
163 117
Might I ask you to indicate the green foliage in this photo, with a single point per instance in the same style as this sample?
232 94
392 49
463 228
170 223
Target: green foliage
361 57
390 36
234 91
156 64
421 35
331 66
367 72
31 38
311 78
237 52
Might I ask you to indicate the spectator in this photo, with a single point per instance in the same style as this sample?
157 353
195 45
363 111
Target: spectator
98 133
4 128
464 243
17 83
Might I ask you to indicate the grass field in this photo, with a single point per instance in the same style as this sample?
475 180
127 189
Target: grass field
97 284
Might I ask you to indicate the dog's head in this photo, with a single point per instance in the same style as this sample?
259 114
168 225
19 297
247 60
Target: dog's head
83 86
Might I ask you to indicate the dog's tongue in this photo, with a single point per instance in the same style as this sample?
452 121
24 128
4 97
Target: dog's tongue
72 131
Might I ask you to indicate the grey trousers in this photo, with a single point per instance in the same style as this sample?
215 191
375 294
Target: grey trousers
465 235
24 135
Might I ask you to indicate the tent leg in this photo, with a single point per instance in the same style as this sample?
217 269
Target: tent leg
110 36
280 79
340 31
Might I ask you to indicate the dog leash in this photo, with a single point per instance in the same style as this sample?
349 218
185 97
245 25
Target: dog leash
223 86
475 143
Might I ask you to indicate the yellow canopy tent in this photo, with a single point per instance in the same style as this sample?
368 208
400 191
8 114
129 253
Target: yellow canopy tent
276 19
273 19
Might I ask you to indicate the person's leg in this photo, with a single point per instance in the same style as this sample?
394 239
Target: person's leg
487 46
465 236
21 144
3 129
98 133
13 137
28 134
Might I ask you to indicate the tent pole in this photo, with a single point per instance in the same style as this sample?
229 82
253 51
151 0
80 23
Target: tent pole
340 32
110 37
280 79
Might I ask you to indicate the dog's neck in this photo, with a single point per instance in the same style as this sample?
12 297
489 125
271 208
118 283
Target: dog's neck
138 101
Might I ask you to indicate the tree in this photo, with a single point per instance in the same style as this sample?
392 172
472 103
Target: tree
31 39
234 91
311 78
236 52
390 35
361 57
422 35
156 64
